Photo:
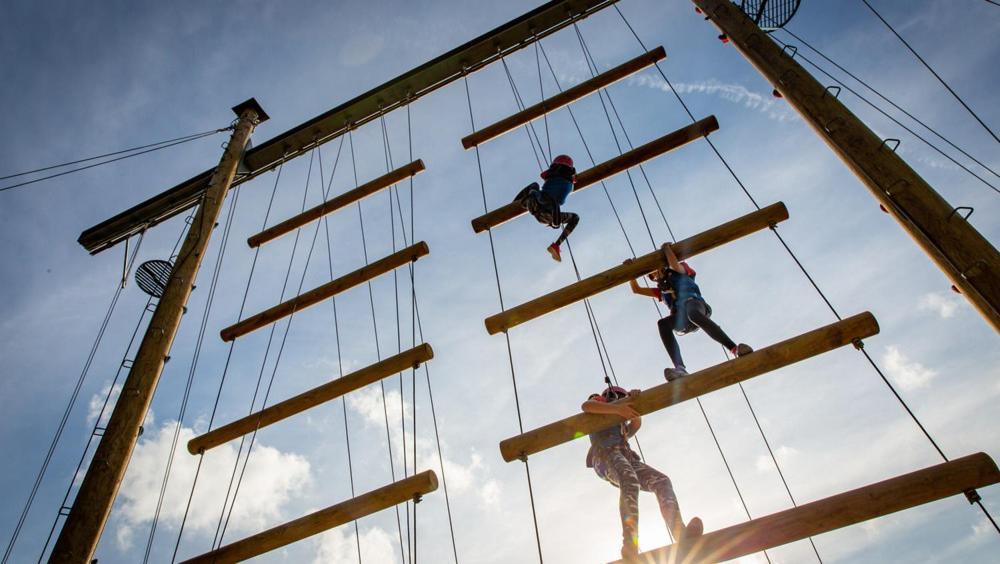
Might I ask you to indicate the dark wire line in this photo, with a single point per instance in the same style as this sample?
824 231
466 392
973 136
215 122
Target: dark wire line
140 147
802 268
887 100
378 351
936 75
229 356
510 354
213 285
40 475
78 169
900 124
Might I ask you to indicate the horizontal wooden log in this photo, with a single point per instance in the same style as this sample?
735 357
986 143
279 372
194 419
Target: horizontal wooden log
322 520
831 513
309 399
609 168
564 98
320 293
779 355
592 285
336 203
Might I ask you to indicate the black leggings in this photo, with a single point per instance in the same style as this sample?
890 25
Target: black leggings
547 211
697 314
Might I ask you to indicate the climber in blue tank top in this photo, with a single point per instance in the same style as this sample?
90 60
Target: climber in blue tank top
544 203
676 288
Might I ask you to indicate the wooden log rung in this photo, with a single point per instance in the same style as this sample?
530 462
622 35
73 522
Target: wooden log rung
336 203
609 168
831 513
322 520
320 293
312 398
564 98
590 286
767 359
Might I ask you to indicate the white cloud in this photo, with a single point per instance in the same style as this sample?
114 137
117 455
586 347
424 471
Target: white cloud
940 303
272 479
784 455
907 374
97 402
339 546
735 93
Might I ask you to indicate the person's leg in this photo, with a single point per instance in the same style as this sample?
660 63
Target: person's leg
666 327
652 480
569 219
618 470
699 316
522 197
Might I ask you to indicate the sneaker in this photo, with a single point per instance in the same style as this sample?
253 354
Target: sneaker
741 349
694 529
672 374
553 250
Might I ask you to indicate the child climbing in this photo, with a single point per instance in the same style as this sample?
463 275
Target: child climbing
614 461
544 203
675 286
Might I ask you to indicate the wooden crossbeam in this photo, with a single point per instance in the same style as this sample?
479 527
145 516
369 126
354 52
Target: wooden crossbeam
322 520
336 203
694 245
564 98
790 351
609 168
311 398
831 513
320 293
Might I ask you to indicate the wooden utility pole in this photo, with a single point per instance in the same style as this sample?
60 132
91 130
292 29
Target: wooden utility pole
940 229
82 530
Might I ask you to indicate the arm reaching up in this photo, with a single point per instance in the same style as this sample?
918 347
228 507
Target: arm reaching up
636 289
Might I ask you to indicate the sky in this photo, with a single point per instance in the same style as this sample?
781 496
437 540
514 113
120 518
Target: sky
86 79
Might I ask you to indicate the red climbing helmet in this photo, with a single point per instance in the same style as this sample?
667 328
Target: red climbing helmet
564 160
613 393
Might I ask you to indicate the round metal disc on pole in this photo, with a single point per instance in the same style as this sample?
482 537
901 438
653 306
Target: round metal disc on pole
770 14
152 276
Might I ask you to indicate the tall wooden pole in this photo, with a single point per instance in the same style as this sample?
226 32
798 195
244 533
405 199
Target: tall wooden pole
941 230
82 530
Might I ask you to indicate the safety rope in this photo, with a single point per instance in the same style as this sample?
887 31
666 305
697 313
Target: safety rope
510 354
890 117
931 70
378 351
801 267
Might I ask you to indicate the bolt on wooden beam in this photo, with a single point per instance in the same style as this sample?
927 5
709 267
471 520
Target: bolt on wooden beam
831 513
592 285
564 98
767 359
336 203
609 168
332 288
322 520
311 398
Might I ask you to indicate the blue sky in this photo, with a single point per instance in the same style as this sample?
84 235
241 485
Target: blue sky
81 80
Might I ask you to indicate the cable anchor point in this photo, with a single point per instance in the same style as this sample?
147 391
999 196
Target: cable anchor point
973 496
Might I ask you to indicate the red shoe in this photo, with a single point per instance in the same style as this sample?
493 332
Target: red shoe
741 349
553 250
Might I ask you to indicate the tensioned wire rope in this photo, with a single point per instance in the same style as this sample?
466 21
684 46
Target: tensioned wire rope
886 114
378 351
229 356
417 329
592 66
40 475
510 354
210 299
931 70
141 150
859 345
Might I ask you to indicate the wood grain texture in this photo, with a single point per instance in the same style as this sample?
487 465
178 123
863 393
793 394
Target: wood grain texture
790 351
592 285
831 513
